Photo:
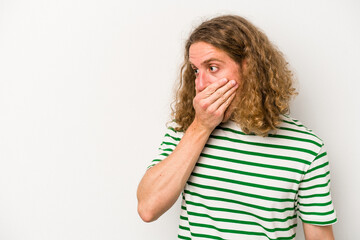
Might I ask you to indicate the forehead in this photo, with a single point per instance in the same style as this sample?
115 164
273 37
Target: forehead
200 52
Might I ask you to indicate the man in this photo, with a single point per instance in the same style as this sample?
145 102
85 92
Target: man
244 168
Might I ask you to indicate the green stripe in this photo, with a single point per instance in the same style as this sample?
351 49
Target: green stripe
167 149
315 186
240 202
234 131
150 166
241 222
175 138
320 156
240 212
247 173
184 228
295 139
315 204
168 143
302 126
318 213
318 167
288 117
244 183
319 222
234 231
293 123
299 131
275 136
219 238
315 195
173 129
184 218
206 236
183 237
316 177
184 207
265 144
278 157
252 163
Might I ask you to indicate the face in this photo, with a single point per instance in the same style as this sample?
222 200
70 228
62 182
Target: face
211 64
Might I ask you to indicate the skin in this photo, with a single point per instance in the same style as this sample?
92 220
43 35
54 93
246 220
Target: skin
217 79
210 65
162 184
313 232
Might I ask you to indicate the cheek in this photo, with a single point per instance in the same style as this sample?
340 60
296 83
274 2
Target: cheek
228 75
233 74
213 79
206 79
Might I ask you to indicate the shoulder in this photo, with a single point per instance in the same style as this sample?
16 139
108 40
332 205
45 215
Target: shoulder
171 127
291 123
172 124
293 128
299 136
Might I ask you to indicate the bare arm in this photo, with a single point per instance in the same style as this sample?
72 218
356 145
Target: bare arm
314 232
162 184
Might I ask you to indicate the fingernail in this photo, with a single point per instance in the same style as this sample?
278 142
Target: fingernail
233 82
224 80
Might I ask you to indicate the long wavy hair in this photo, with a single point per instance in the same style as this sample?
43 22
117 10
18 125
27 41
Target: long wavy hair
266 86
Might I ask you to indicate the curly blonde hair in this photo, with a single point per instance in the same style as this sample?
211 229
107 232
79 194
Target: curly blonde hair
267 83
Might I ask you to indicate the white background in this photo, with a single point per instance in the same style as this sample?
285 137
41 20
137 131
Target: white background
85 89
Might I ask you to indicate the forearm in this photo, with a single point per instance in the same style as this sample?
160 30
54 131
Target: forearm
313 232
162 184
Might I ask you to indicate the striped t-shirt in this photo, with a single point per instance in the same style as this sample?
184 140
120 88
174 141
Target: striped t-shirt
251 187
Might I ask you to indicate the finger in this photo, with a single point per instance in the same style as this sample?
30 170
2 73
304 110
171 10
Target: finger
220 92
226 104
223 98
214 87
207 97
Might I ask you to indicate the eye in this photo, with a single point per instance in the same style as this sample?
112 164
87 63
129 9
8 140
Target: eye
213 68
196 71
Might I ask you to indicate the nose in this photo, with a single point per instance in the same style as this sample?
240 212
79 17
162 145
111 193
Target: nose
201 82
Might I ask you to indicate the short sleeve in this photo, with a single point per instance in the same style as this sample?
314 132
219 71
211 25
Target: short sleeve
170 140
314 203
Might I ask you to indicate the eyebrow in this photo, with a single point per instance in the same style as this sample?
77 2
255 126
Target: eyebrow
208 60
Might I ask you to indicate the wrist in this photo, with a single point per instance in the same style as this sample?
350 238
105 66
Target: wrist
199 128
